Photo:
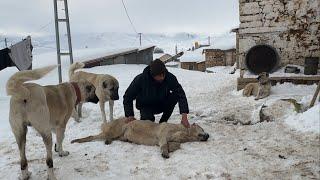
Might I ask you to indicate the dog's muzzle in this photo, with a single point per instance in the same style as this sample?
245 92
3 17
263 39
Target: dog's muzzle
204 137
115 96
94 99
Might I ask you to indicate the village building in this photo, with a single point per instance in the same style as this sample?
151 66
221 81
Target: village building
279 31
218 57
276 33
143 55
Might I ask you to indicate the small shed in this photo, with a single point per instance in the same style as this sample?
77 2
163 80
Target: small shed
193 60
142 55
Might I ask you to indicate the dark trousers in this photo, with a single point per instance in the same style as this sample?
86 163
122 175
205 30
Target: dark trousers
147 113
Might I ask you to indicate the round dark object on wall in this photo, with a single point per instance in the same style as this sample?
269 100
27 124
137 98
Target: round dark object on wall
262 58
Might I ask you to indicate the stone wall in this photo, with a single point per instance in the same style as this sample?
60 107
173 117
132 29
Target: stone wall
292 27
189 65
196 66
214 57
230 57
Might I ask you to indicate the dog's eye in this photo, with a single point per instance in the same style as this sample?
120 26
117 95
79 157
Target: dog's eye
88 88
105 85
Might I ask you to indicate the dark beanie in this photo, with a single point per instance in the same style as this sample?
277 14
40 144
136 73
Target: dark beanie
157 67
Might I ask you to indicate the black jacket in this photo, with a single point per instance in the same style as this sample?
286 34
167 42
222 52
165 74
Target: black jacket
149 93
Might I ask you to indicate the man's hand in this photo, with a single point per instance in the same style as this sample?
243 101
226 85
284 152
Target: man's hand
184 120
129 119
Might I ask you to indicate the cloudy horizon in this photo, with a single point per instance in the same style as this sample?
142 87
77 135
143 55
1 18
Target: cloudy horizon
36 17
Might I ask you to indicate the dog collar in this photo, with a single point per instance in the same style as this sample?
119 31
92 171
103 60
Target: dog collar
78 94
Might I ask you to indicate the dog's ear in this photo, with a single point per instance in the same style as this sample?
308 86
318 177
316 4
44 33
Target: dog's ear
104 85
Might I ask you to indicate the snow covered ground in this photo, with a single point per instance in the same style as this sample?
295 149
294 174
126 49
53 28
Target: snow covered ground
287 148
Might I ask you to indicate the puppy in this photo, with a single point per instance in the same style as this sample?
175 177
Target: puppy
45 108
261 89
166 135
106 88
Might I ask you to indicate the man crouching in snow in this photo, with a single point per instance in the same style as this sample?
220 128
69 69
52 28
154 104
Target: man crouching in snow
156 91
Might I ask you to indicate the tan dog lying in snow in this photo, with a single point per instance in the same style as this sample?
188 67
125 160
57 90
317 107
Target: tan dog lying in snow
261 89
166 135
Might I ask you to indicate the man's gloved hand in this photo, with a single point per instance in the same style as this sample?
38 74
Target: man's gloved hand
184 120
129 119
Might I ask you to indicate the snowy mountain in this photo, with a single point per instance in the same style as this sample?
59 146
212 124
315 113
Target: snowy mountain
115 40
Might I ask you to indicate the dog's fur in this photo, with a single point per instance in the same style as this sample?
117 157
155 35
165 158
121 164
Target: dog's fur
166 135
45 108
106 88
261 89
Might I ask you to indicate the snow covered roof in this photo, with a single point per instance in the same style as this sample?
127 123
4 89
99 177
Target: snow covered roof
146 47
192 56
172 63
100 52
92 54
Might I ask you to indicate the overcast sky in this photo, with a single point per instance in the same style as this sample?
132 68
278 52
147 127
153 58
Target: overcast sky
22 17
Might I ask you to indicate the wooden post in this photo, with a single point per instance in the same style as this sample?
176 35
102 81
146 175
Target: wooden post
315 96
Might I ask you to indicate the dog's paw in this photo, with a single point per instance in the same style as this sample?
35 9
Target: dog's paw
25 175
63 153
165 155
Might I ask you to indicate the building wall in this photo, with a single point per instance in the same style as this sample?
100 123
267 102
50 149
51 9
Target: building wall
201 66
292 27
189 65
145 56
230 57
131 58
214 57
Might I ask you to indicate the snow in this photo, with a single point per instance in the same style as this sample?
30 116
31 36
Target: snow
286 148
221 69
308 121
192 56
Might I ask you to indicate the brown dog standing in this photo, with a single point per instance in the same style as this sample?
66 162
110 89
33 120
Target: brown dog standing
106 88
45 108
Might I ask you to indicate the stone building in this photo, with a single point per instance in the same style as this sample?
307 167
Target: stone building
193 60
289 28
218 57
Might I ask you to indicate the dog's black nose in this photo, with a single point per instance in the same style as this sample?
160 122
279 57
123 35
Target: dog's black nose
115 97
206 137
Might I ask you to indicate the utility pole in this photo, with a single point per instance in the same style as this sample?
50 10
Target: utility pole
140 34
176 48
209 40
5 42
57 21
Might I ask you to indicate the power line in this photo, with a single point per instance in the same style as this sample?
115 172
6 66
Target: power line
124 6
44 26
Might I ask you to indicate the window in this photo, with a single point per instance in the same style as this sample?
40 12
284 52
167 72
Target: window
191 67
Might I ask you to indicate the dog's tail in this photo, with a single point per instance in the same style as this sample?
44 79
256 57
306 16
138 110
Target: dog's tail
15 85
75 66
98 137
